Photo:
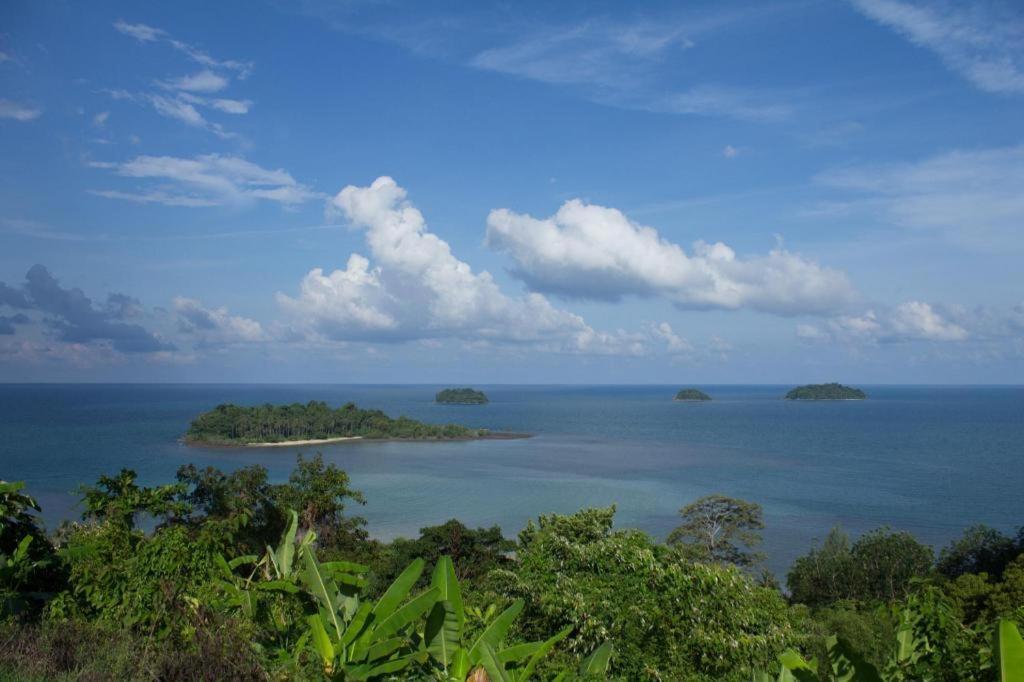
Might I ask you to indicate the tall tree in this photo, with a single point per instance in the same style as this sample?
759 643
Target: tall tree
719 529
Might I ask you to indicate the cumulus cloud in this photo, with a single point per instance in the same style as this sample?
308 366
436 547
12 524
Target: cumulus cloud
908 321
7 323
591 251
974 193
73 318
417 289
215 326
18 112
673 342
981 41
207 180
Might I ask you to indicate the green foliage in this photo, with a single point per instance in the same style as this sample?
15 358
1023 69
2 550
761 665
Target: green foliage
714 528
981 549
461 396
832 391
236 425
475 552
668 619
878 567
689 394
120 500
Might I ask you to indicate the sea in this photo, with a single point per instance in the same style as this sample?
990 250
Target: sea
931 460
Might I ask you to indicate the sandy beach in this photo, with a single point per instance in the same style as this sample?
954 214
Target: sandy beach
293 443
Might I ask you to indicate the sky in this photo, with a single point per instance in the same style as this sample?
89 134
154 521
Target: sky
373 191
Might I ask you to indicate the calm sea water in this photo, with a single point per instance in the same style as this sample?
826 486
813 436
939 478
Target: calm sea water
931 460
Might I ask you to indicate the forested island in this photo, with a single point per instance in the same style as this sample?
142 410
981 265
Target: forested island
691 395
833 391
461 396
230 424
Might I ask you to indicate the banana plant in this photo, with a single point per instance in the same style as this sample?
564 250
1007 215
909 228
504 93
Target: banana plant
1008 652
446 640
359 640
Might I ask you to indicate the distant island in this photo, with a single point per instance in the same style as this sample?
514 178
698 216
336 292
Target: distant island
461 396
313 423
691 394
831 391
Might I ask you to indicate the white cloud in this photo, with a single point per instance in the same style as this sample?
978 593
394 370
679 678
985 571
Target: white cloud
18 112
908 321
215 326
100 119
417 289
181 110
204 81
210 179
982 41
674 343
624 64
730 152
232 106
974 193
148 34
596 252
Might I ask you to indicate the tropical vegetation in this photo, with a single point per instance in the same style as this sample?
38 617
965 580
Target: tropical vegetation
229 424
832 391
461 396
690 394
228 575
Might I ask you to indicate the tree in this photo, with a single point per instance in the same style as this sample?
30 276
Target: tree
669 620
880 566
319 493
120 499
981 549
719 529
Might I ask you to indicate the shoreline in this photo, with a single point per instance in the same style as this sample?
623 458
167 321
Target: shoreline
311 441
494 435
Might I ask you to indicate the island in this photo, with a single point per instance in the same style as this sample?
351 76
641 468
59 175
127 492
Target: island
689 395
314 423
461 396
831 391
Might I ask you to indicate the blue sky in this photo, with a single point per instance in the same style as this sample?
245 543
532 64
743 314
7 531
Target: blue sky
515 192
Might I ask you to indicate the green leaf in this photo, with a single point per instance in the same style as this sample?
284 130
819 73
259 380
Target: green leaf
444 578
321 641
355 626
398 664
385 648
333 567
541 652
495 632
489 660
398 590
241 560
1009 652
597 662
848 665
278 586
322 590
441 633
286 548
794 667
518 652
407 614
459 667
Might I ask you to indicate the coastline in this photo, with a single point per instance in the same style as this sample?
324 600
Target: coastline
493 435
311 441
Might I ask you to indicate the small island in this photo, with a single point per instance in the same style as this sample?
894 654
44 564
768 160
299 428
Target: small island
314 423
689 395
831 391
461 396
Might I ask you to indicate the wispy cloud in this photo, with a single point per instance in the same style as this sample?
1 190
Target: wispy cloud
982 41
208 180
18 112
180 98
974 194
625 65
149 34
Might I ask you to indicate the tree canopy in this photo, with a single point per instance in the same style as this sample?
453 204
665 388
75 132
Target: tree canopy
719 529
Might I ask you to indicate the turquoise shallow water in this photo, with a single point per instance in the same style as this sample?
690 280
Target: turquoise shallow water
931 460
